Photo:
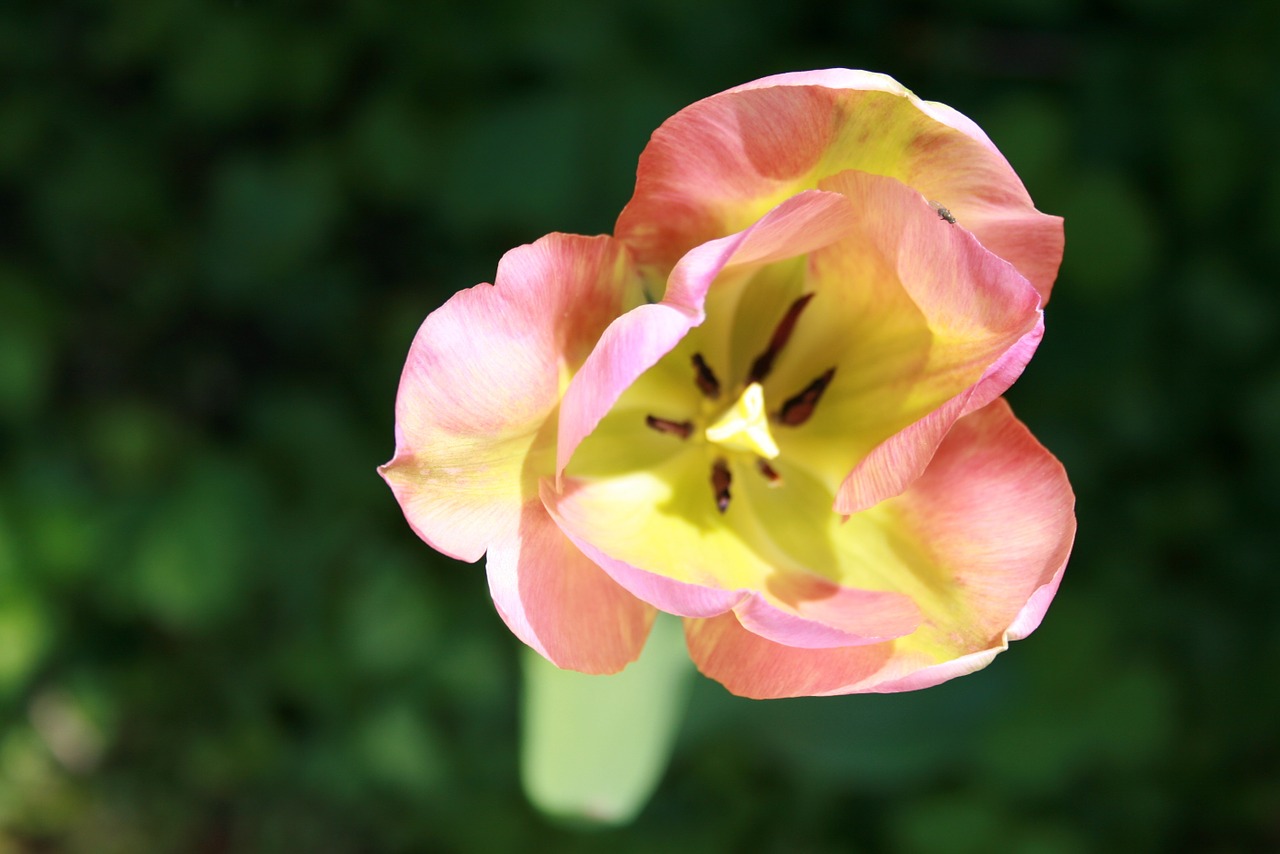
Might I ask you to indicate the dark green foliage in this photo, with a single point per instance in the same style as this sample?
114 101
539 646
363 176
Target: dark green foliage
220 224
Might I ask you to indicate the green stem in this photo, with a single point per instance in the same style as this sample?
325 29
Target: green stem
593 748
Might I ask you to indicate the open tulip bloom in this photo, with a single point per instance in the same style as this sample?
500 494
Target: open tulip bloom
769 404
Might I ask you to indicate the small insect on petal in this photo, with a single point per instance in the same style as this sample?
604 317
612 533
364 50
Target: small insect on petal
943 213
720 479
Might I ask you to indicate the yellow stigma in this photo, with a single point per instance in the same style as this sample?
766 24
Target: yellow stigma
745 427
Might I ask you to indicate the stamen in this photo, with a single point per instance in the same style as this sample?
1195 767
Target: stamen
720 479
676 428
798 409
705 378
763 364
769 473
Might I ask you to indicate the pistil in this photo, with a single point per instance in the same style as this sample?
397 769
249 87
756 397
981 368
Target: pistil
745 426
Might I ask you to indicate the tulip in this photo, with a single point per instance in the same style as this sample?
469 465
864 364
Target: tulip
769 404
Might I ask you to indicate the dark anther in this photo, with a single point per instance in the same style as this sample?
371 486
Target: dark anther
797 409
763 364
675 428
769 472
705 378
720 483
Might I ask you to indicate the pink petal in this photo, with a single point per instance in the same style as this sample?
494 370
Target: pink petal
961 287
994 514
560 603
830 78
897 462
483 377
720 163
636 341
812 612
694 570
999 506
751 666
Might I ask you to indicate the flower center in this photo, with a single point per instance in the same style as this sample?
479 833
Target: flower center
745 426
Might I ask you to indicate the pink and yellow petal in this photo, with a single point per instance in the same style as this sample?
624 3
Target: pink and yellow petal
722 162
751 666
979 543
899 460
996 508
483 377
558 601
659 534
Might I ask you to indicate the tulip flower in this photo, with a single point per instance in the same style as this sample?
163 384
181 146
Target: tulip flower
769 404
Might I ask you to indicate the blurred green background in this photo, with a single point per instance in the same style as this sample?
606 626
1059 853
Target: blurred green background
220 225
